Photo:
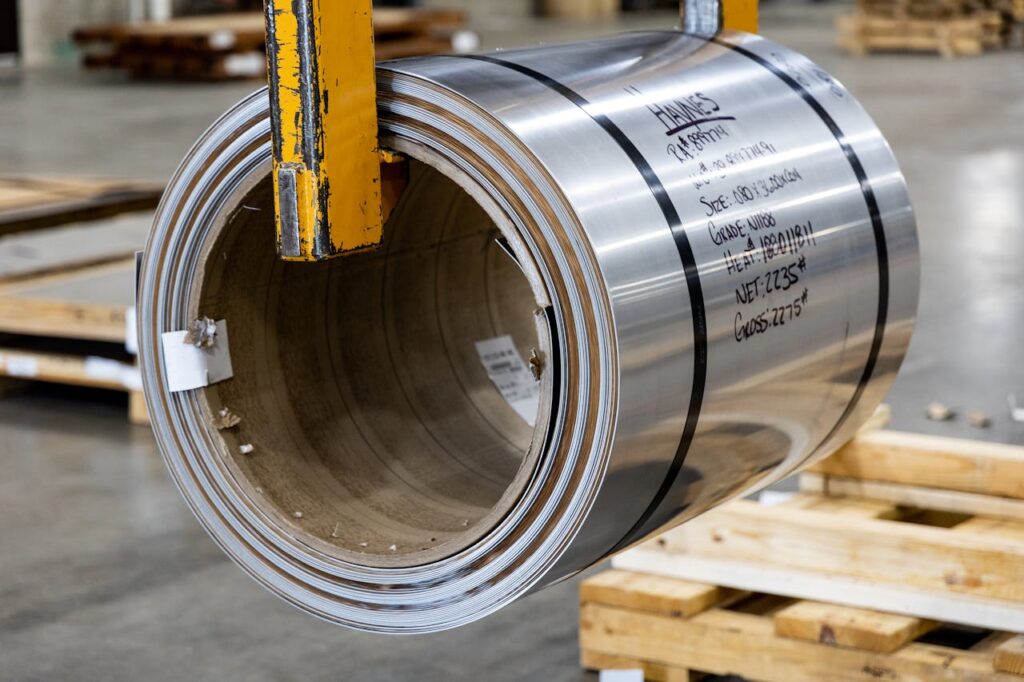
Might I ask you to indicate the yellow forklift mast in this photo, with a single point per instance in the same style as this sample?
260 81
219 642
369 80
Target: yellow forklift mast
334 187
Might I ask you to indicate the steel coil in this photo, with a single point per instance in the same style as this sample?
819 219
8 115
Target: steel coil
700 253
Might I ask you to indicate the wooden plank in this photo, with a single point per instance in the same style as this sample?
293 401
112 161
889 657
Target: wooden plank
656 594
850 627
994 527
1009 656
949 574
913 496
73 246
852 506
31 203
653 671
725 642
930 462
991 642
94 372
948 35
89 303
964 609
138 411
889 551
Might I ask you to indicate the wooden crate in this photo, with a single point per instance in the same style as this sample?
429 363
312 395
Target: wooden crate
894 536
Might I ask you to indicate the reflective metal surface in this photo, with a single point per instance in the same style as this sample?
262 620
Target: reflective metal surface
723 257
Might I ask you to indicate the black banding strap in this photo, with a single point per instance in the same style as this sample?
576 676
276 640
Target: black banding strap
881 247
689 261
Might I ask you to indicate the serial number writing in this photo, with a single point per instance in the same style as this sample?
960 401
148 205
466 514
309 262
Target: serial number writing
690 145
718 168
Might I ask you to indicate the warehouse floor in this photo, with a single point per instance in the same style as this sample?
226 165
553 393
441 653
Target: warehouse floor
105 575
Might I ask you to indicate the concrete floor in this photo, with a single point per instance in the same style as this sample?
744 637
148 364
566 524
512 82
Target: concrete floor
104 574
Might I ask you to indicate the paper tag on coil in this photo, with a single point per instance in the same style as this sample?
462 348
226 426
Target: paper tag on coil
511 376
187 367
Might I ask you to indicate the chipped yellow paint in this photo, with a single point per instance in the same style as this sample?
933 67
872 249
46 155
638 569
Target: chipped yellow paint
740 15
333 152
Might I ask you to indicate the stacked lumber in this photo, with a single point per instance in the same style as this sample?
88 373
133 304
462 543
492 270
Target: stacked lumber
949 27
901 558
30 203
67 296
232 46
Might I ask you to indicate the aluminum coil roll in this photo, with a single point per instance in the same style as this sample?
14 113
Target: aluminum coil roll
630 279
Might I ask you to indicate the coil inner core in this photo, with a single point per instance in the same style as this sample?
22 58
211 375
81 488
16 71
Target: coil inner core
370 427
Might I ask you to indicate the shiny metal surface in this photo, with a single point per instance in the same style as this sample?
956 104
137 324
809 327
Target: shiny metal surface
726 259
702 18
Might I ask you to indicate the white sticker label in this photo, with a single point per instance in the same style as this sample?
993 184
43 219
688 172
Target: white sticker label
103 369
223 39
22 366
245 64
131 378
773 498
636 675
188 368
511 376
131 332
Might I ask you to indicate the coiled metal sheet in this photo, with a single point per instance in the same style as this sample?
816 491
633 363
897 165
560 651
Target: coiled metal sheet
704 248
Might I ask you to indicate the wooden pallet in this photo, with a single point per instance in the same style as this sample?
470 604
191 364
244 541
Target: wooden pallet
676 631
71 327
950 37
230 46
65 299
895 528
31 203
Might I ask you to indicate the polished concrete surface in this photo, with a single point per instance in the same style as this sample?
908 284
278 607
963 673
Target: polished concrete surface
105 575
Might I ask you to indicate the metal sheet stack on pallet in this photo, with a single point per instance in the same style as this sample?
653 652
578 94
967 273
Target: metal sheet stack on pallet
67 286
901 558
232 46
949 27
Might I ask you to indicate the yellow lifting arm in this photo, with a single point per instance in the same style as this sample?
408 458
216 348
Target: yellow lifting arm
323 92
328 191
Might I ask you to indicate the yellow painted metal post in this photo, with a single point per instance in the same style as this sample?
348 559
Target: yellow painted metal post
323 91
740 15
